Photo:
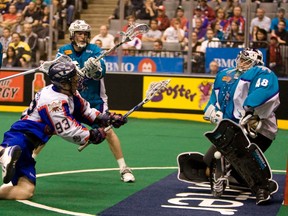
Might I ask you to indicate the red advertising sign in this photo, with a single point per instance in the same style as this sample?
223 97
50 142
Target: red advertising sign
11 90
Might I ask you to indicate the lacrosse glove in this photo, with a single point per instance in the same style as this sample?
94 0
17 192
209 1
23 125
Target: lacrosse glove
250 123
213 115
93 69
107 119
97 135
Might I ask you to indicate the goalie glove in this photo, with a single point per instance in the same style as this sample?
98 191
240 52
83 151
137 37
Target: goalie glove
251 124
97 135
107 119
212 115
93 69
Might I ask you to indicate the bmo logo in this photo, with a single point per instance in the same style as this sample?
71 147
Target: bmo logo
147 65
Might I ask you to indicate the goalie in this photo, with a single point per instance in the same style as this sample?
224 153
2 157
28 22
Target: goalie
248 95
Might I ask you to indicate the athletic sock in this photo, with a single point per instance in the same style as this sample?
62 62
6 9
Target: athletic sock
121 163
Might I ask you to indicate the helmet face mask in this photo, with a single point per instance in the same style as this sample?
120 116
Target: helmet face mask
81 27
248 58
64 76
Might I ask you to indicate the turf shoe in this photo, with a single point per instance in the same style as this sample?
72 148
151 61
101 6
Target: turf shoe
126 175
8 161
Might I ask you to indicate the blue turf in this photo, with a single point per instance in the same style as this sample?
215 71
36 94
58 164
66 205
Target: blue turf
170 197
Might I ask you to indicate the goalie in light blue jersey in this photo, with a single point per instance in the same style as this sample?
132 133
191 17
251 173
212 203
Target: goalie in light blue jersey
93 90
248 95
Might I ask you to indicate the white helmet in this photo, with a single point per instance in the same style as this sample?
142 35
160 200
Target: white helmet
79 26
248 58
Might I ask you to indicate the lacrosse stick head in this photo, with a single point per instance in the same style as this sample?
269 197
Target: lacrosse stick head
156 87
44 67
134 30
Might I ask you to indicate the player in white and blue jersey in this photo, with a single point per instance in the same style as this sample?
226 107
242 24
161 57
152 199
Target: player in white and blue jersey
93 89
58 109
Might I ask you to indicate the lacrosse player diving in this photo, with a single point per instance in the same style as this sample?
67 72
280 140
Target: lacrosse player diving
58 109
247 96
83 54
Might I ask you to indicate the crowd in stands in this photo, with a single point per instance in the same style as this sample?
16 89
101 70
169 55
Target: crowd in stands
214 24
24 29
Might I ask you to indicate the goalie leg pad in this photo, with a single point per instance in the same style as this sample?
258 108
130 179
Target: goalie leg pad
191 167
247 159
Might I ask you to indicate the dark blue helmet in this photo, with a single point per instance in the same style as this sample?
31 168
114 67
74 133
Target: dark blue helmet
61 72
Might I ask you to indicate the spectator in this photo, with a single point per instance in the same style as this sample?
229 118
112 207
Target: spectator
128 10
9 20
31 14
5 39
275 21
153 34
281 33
174 33
200 30
10 58
180 15
260 20
275 58
216 27
239 42
231 32
238 18
19 4
137 5
207 10
213 68
42 29
162 18
68 7
23 51
148 11
198 14
228 8
4 6
261 39
195 44
211 41
106 38
31 39
99 43
221 17
132 47
158 50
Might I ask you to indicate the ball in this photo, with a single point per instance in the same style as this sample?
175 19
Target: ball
217 155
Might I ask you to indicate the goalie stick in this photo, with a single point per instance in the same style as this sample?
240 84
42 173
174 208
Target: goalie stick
153 89
44 67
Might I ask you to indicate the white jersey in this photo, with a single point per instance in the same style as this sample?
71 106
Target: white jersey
52 113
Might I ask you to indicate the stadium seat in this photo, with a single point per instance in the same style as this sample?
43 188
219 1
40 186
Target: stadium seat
172 46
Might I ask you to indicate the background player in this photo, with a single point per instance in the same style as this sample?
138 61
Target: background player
83 53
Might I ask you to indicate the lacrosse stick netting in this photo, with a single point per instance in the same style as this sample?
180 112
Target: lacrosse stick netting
153 89
44 67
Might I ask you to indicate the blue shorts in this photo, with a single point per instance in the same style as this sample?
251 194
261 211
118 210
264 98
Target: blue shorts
25 165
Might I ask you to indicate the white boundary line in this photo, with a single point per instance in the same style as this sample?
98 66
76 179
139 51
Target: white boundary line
62 211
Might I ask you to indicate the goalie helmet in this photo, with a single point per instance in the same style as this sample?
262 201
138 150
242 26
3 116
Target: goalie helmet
248 58
80 26
62 73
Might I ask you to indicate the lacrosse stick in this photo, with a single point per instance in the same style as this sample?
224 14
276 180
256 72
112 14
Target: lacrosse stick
153 89
133 30
44 67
